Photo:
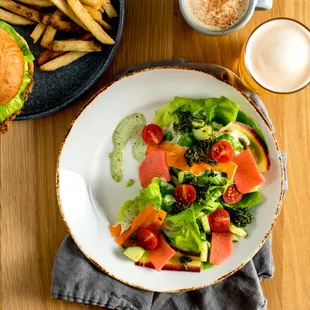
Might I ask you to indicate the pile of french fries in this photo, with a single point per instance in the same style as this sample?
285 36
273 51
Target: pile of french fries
82 18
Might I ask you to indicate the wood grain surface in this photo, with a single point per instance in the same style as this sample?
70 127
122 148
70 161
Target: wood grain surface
31 226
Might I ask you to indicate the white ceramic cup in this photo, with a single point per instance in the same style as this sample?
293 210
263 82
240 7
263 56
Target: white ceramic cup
259 5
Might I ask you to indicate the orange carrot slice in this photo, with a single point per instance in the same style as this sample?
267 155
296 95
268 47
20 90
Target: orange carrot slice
177 161
229 168
174 154
150 219
167 146
115 230
160 218
137 222
175 158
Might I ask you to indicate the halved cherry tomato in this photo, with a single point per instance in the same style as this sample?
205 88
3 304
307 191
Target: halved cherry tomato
147 238
222 152
185 194
219 220
152 134
232 195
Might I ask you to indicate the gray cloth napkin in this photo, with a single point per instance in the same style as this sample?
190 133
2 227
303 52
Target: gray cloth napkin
77 279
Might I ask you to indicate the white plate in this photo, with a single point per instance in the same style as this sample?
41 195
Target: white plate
89 199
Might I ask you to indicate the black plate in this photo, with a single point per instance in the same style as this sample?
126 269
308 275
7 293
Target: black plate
53 91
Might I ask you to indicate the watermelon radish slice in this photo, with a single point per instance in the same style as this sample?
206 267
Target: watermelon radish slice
248 175
154 165
221 247
174 263
161 255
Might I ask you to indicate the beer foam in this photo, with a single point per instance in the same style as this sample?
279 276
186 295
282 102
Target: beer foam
278 55
217 15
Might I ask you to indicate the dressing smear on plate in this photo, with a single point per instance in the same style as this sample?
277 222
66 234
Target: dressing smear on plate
129 128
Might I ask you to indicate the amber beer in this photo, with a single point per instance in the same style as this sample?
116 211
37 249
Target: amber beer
276 57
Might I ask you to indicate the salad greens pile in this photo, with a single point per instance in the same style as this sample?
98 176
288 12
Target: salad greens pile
196 124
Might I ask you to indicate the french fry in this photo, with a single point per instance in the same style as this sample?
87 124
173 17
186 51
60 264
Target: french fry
75 46
49 55
67 26
37 32
50 31
14 19
62 61
96 4
21 10
57 16
63 6
39 3
89 22
97 16
47 18
48 36
109 9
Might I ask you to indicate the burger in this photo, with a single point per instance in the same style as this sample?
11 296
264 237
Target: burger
16 74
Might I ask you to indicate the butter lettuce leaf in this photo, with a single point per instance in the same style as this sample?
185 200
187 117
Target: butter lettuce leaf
158 193
183 231
18 101
248 201
221 110
166 115
151 194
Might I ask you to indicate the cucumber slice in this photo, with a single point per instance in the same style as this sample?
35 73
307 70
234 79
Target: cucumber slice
203 133
204 251
181 176
134 252
241 232
198 123
175 180
235 238
205 223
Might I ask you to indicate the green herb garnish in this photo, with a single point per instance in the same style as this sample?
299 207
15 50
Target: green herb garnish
185 122
133 237
177 208
185 260
196 153
240 217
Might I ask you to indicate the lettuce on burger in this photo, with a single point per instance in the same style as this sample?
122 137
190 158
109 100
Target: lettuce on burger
16 71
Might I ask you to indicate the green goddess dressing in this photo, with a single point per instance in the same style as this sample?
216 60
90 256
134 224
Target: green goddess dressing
129 128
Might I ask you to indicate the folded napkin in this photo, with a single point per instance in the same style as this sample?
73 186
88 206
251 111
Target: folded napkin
77 279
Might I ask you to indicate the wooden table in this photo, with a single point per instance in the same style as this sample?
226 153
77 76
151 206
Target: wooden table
31 226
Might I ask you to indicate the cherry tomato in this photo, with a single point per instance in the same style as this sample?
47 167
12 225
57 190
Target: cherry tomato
147 238
232 195
219 220
222 152
152 134
185 194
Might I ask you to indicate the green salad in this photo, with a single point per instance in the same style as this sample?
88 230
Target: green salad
203 167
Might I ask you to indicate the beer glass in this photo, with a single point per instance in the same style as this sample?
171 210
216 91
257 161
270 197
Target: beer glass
276 57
